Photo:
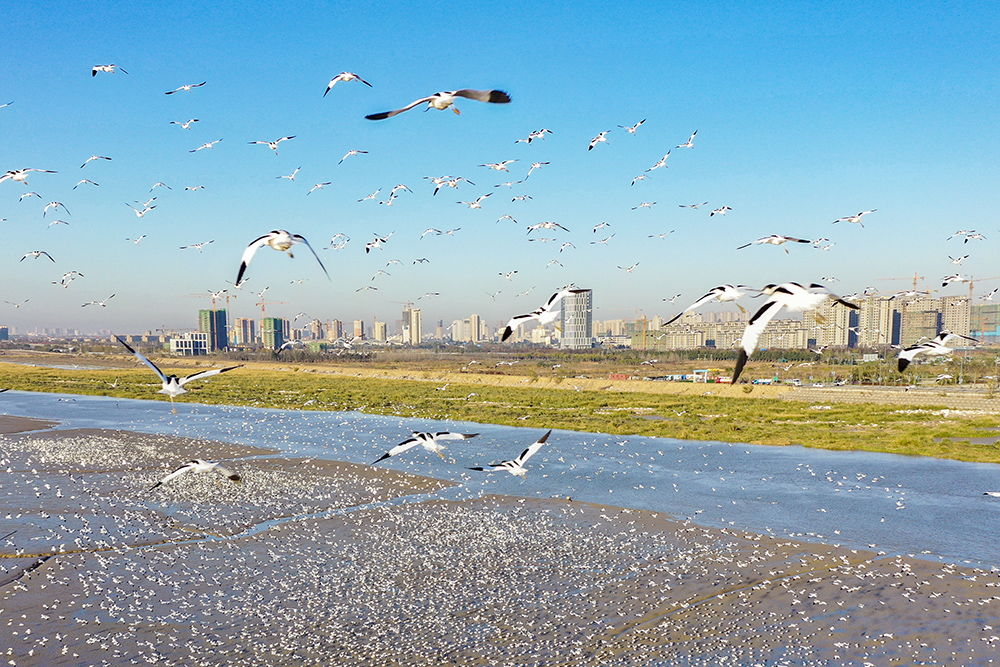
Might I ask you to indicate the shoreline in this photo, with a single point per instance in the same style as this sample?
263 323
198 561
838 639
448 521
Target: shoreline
310 560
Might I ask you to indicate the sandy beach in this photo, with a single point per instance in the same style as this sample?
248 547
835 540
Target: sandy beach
318 562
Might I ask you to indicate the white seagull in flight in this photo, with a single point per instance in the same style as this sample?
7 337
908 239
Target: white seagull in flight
689 143
172 385
210 144
279 239
632 129
534 166
795 299
198 466
516 466
110 69
856 219
102 304
933 348
478 202
723 293
273 145
21 175
35 254
775 239
601 138
351 153
544 314
345 77
428 441
499 166
187 87
446 99
92 158
187 125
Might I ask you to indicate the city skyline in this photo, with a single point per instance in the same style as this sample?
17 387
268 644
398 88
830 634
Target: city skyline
804 115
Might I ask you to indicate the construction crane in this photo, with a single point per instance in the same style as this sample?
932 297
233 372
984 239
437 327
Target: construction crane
973 281
914 278
264 304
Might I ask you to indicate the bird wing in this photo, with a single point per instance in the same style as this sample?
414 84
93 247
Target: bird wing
755 327
163 378
409 443
299 237
494 96
532 448
447 435
249 253
187 467
714 294
906 356
514 323
205 374
389 114
227 473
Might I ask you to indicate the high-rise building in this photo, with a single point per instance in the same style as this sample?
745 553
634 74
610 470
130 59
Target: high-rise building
272 332
244 331
921 318
415 327
380 332
955 314
985 323
335 331
191 344
577 320
316 330
475 329
831 324
4 333
213 323
359 329
875 321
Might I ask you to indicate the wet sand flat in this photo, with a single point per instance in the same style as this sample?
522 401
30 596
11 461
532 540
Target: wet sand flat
315 562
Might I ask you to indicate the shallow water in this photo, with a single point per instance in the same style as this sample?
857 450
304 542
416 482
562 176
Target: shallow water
900 505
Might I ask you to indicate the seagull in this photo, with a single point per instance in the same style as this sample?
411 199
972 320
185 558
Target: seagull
568 244
94 157
17 305
933 348
629 269
689 143
371 196
430 230
601 138
525 292
198 465
601 226
59 222
492 296
28 195
989 295
537 134
184 125
35 254
974 237
55 205
662 236
351 153
544 314
498 166
421 260
428 441
197 246
662 164
694 206
194 188
791 296
553 261
143 212
516 466
506 217
720 211
292 175
273 145
188 87
210 144
85 180
604 240
110 69
645 204
640 177
631 130
534 166
102 304
319 186
279 239
956 278
172 385
855 218
444 100
345 77
546 225
509 275
958 260
723 293
775 239
478 202
377 243
451 183
366 287
69 277
21 175
521 198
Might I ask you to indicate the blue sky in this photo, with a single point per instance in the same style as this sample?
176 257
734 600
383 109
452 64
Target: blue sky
805 112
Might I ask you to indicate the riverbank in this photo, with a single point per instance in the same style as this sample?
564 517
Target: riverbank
829 418
310 561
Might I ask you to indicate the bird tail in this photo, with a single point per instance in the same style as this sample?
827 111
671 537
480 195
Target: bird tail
741 361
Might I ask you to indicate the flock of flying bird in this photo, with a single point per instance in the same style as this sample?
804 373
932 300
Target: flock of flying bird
793 297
